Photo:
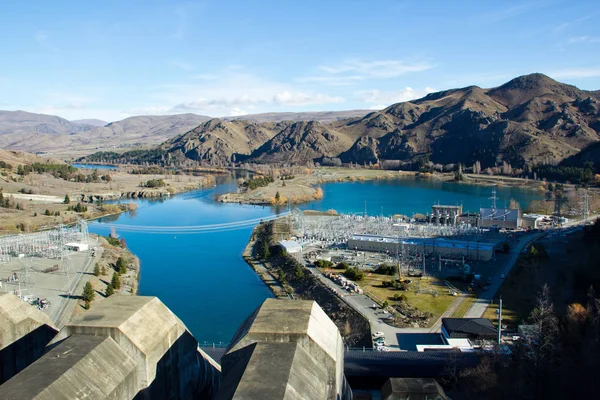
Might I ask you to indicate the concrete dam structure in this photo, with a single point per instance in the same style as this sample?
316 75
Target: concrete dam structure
134 347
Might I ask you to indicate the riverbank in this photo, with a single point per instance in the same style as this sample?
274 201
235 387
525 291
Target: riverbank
287 278
37 201
111 252
306 188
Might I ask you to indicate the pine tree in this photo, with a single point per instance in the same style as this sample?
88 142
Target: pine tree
116 281
86 305
277 197
110 290
121 266
88 293
103 270
97 270
67 199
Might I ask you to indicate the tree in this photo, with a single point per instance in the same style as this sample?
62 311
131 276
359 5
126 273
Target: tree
121 266
277 197
110 290
116 281
385 305
263 250
477 168
103 270
298 272
67 200
514 204
88 292
546 323
86 305
97 270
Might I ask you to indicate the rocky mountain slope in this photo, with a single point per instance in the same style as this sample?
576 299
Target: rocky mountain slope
532 119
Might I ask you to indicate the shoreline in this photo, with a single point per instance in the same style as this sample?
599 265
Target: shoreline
306 188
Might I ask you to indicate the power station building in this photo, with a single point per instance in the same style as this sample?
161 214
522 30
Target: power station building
445 247
501 218
444 215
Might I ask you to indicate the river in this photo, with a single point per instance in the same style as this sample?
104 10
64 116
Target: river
203 278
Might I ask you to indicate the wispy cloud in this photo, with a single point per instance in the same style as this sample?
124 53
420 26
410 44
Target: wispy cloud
349 72
377 97
43 39
303 99
583 39
504 13
183 65
575 73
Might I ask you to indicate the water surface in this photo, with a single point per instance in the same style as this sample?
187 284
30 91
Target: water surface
203 278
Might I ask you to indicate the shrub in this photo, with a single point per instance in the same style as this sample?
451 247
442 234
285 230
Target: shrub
354 274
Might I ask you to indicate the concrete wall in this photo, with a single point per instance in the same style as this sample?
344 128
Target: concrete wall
24 333
286 322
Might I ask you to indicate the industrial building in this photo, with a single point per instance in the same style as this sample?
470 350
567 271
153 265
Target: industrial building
445 247
291 246
501 218
444 215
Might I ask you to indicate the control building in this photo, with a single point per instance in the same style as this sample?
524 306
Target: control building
501 218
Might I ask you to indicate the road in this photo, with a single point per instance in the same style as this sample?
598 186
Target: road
485 298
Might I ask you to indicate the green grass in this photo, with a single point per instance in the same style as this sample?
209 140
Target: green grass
423 302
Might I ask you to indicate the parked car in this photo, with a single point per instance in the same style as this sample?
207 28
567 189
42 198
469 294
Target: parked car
383 348
378 335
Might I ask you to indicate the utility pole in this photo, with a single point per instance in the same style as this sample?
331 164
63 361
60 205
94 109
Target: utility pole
500 320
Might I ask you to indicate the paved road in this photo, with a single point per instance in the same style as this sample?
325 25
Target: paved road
485 298
67 305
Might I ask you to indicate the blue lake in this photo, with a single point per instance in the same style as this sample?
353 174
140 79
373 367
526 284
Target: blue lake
95 166
203 278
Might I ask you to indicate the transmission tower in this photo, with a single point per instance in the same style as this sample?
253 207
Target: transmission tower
493 198
559 199
63 256
585 205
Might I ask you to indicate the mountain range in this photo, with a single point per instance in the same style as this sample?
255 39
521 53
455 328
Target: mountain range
529 120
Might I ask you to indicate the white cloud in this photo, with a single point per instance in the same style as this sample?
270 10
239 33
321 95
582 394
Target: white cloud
378 97
349 72
377 69
583 39
575 73
236 112
206 77
303 99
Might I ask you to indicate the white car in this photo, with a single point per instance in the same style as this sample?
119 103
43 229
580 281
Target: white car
502 276
378 335
382 348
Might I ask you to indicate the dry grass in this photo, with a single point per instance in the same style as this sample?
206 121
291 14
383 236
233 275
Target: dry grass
423 302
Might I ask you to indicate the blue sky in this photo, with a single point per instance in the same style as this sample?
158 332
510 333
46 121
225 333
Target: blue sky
113 59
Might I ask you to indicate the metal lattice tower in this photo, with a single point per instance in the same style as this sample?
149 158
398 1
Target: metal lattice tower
493 198
585 205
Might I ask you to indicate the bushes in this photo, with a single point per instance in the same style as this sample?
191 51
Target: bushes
259 181
323 264
385 269
354 274
154 183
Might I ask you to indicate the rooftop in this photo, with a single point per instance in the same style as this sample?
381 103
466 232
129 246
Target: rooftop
471 326
431 242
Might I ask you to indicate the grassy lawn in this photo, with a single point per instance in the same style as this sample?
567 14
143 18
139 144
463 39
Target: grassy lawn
423 301
462 309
